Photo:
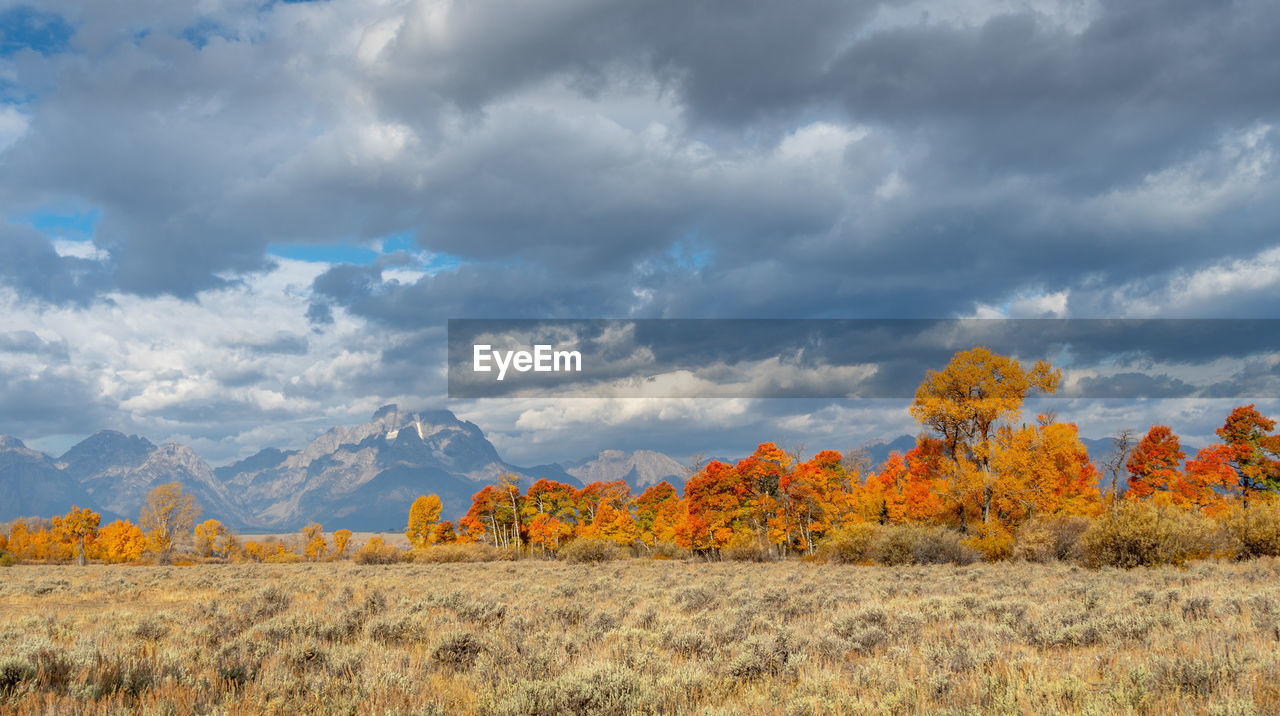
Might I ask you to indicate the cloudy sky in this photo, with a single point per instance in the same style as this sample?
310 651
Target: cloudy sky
235 224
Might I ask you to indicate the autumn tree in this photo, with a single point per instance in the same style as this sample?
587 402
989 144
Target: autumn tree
713 508
341 542
167 512
314 547
120 541
1253 452
657 512
78 525
424 513
1155 465
495 515
209 537
1043 470
965 401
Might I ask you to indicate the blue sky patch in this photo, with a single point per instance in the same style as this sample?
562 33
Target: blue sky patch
26 28
63 223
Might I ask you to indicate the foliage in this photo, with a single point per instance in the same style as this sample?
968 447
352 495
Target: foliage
424 513
341 542
120 541
851 544
590 550
167 513
1147 533
1050 538
377 551
1254 531
445 553
210 539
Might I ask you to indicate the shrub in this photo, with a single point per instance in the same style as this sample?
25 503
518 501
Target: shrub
377 551
590 550
474 552
850 545
668 550
1254 531
913 544
1050 538
457 650
1146 534
746 547
992 541
7 559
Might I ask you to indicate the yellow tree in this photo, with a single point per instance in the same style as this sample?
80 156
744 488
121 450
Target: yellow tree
424 513
341 542
120 541
965 402
314 547
208 536
1044 470
167 512
78 525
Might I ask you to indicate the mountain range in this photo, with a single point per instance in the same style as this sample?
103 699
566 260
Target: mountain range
361 478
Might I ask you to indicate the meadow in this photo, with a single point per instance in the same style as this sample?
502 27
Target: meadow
639 636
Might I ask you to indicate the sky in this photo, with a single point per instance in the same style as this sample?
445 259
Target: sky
235 224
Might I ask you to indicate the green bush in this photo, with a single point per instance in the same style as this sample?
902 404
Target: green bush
1050 538
1143 533
7 559
590 550
1254 531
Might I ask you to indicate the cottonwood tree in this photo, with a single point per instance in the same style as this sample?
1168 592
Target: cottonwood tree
167 512
424 513
209 536
78 525
964 403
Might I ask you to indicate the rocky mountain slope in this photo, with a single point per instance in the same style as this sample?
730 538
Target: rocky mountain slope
640 469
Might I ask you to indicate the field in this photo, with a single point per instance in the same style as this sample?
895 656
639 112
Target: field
640 636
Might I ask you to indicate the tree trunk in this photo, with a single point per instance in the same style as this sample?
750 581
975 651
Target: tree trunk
80 557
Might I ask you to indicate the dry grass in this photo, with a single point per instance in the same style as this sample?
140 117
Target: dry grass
639 636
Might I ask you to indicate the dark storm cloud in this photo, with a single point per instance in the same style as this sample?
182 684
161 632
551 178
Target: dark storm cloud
821 358
1073 111
30 265
659 159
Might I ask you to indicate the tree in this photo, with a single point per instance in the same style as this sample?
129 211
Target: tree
78 525
424 513
120 541
341 542
965 400
1116 460
1155 465
314 547
167 512
209 536
657 511
1255 453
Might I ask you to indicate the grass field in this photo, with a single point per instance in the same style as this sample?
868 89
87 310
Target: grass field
640 636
